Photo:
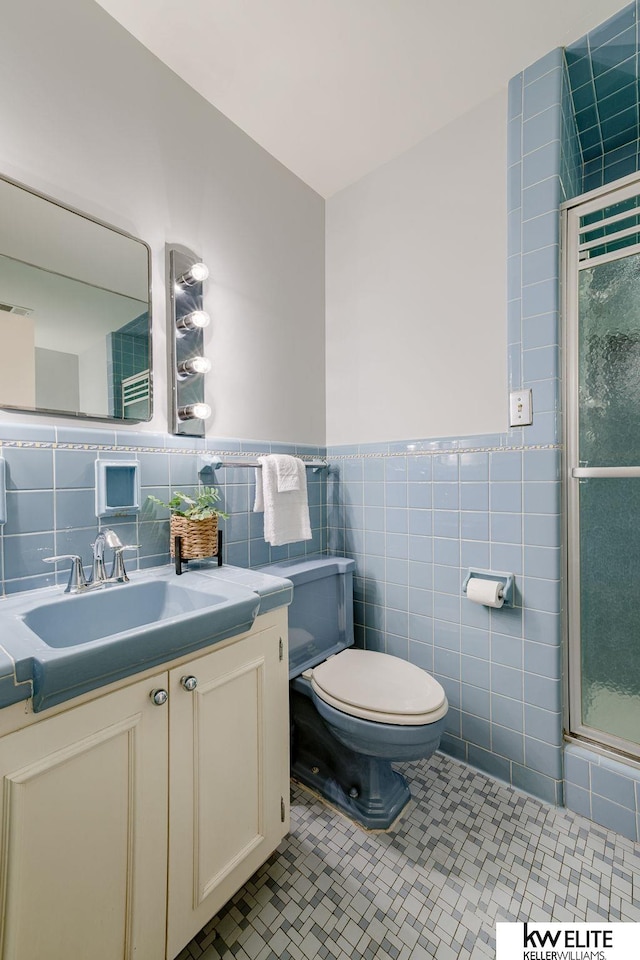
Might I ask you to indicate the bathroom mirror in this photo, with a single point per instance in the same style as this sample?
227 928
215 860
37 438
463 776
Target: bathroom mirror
75 312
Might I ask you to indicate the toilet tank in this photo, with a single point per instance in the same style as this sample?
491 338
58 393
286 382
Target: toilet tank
321 612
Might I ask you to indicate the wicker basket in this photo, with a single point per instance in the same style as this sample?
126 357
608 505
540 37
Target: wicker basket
199 537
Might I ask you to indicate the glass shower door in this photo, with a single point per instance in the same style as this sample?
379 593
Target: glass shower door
603 346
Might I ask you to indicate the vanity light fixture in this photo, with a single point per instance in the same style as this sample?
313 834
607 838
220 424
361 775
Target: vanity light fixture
197 273
187 368
194 411
197 319
186 322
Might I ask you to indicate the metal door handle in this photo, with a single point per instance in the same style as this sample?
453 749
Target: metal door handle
604 473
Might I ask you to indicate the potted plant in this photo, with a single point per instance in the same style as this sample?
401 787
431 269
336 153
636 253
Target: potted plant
195 519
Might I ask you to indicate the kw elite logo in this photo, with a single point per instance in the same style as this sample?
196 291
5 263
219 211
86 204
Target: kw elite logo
567 941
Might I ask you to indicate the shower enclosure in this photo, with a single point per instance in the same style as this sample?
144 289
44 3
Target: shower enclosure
602 403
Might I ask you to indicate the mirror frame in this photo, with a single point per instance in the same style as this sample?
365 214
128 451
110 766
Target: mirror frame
81 415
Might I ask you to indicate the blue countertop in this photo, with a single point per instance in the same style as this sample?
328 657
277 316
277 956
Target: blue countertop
52 658
274 591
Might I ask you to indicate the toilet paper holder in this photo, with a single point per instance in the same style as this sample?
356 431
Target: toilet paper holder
508 580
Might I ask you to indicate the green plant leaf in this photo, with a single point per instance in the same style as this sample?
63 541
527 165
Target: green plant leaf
200 507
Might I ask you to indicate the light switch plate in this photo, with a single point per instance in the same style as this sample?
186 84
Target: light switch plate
520 408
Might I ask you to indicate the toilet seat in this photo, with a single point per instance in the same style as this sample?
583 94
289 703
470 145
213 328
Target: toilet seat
379 687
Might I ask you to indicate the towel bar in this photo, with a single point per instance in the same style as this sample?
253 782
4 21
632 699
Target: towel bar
211 462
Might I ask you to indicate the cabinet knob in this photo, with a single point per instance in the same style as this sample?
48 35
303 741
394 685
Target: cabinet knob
159 697
189 683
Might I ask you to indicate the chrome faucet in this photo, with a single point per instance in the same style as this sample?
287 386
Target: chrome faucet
77 579
98 572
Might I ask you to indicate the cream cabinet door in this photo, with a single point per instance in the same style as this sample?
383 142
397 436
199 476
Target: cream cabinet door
229 785
83 813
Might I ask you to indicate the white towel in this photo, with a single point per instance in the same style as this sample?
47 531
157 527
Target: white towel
290 471
258 503
286 515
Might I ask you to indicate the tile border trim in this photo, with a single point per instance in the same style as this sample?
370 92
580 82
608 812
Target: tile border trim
438 453
138 448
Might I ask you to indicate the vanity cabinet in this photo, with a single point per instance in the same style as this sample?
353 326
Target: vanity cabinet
229 783
84 816
127 822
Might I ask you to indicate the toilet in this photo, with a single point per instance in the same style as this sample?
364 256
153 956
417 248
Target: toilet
353 712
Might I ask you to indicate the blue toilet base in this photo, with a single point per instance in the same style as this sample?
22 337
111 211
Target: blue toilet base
365 788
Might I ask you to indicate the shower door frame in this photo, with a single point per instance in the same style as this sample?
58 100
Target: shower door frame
571 211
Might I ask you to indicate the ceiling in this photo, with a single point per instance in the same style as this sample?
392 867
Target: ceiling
335 88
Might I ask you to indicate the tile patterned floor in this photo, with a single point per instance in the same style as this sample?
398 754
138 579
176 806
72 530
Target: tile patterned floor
468 852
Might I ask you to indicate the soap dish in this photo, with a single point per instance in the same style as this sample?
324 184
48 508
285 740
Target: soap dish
117 488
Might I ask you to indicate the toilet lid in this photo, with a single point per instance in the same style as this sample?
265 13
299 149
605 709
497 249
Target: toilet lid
379 687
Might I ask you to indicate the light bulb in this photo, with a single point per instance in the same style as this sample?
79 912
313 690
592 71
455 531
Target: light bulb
197 273
194 411
196 320
194 365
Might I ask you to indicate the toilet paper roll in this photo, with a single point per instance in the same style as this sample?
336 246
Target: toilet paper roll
487 592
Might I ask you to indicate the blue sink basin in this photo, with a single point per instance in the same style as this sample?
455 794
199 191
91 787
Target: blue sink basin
65 645
95 615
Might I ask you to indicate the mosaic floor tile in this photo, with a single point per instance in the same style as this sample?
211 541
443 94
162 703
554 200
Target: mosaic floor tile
468 852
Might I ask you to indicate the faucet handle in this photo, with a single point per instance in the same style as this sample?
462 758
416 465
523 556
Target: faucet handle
77 579
62 556
111 538
119 572
118 551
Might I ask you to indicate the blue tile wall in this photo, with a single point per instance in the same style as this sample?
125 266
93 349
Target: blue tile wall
544 156
603 80
128 354
51 504
571 160
440 507
604 789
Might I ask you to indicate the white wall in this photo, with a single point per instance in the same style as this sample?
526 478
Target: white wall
93 382
97 122
17 360
416 289
57 381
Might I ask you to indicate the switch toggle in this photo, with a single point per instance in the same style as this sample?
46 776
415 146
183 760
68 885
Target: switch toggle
520 408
